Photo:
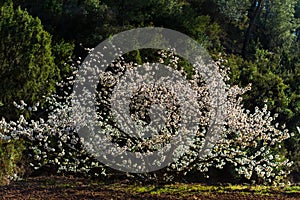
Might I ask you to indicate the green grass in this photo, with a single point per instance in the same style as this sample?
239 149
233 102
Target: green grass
188 189
292 189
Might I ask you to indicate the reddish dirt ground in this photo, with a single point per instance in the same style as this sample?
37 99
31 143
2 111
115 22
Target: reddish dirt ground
78 188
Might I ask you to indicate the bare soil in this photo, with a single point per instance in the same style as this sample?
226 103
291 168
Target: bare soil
57 187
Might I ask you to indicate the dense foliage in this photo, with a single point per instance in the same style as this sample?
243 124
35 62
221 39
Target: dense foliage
27 65
257 39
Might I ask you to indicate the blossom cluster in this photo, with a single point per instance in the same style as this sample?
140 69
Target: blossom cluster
247 140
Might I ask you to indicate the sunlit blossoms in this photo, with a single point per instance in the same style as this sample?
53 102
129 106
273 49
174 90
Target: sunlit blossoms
247 140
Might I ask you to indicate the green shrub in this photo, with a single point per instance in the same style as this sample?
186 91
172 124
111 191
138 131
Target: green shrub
11 160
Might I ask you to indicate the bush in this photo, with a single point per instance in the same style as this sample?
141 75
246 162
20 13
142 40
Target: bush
12 162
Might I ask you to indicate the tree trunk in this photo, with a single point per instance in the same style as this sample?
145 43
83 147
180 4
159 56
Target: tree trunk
253 15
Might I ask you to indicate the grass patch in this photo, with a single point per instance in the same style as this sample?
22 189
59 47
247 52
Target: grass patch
190 189
292 189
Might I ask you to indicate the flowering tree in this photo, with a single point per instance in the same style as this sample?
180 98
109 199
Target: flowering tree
249 141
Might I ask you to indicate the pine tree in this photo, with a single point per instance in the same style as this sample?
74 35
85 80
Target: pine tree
27 69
